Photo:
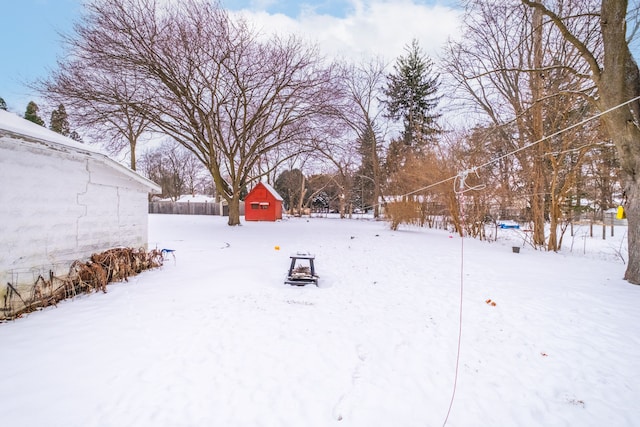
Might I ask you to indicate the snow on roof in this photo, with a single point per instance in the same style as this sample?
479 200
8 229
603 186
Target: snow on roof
272 190
17 128
15 124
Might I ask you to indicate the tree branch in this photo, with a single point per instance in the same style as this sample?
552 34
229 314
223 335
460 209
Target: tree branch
570 37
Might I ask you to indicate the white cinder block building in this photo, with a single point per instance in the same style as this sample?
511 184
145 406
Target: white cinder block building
61 201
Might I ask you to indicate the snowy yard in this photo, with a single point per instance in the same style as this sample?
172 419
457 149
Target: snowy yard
216 339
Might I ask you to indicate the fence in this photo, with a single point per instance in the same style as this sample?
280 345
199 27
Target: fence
191 208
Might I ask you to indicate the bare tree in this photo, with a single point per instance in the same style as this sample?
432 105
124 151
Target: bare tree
338 159
600 181
615 74
163 165
363 87
324 193
214 85
489 68
290 184
176 169
530 83
98 97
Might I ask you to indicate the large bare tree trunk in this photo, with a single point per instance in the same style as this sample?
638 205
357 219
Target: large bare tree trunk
554 215
303 191
633 217
620 83
376 179
132 145
234 210
537 198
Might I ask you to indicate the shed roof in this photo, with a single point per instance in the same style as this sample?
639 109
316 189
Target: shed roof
272 190
19 130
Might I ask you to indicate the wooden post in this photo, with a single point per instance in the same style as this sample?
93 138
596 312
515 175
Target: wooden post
611 216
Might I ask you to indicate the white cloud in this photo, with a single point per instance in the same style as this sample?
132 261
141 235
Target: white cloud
371 28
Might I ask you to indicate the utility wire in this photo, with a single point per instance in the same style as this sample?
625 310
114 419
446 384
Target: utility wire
524 147
561 131
462 177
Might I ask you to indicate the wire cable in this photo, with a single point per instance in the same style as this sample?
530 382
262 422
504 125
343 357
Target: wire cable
526 146
462 176
462 189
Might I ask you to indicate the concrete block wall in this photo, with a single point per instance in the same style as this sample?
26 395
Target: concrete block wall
57 206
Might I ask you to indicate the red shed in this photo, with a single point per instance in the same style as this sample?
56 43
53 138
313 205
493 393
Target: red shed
263 203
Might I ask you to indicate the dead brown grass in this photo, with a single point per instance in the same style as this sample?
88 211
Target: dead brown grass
84 277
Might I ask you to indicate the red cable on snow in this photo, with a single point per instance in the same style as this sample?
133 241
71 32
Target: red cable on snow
455 378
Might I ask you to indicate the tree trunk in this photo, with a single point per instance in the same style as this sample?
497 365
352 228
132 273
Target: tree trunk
537 199
376 176
620 83
376 200
554 211
224 190
303 191
132 146
554 214
234 209
576 212
633 218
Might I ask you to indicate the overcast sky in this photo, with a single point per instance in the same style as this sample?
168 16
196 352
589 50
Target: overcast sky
30 41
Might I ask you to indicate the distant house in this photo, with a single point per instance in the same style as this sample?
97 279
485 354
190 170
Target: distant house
61 201
263 203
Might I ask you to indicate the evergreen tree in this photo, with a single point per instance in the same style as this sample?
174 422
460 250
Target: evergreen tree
368 174
3 105
32 114
59 122
75 136
411 96
288 185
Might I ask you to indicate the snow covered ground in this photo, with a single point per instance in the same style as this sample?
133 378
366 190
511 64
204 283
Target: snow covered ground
215 338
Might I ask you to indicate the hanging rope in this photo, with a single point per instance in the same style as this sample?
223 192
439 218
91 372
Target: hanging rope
461 178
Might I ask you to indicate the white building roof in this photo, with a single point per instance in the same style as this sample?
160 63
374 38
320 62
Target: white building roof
18 129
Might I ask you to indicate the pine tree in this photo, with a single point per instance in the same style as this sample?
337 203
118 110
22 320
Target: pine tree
59 122
32 114
75 136
411 96
3 105
288 185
